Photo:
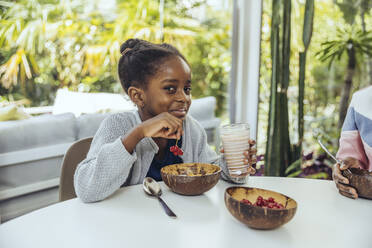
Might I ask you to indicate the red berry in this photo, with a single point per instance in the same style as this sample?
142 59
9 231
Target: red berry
180 152
172 148
269 203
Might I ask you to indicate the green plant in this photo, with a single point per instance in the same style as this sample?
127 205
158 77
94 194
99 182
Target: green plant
352 42
278 150
306 38
78 49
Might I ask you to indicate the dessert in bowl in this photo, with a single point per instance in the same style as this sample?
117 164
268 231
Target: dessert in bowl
190 178
247 205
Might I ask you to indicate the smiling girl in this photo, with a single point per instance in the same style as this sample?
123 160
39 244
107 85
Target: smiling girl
129 146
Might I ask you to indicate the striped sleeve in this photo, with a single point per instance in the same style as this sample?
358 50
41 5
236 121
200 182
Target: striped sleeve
351 144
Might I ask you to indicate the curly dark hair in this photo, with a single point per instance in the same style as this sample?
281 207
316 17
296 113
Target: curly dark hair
141 59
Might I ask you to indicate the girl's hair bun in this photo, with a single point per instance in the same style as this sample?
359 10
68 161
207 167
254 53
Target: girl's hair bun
135 44
131 43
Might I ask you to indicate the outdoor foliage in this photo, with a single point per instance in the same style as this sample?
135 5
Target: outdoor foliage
278 149
323 83
354 43
49 44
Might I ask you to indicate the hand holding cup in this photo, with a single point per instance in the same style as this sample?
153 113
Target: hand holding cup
238 149
250 157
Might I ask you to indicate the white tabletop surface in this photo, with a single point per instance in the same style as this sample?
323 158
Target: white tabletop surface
129 218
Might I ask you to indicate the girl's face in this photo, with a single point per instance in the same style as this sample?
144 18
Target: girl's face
169 90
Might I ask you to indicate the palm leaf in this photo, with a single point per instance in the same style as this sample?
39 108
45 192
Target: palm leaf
294 166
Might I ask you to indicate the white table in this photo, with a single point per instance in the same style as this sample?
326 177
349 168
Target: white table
129 218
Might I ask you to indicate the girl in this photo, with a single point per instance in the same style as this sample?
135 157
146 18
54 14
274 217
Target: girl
132 145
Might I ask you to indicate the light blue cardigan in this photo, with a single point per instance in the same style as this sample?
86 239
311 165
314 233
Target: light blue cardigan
109 165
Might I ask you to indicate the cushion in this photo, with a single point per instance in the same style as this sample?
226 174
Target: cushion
89 103
203 108
38 131
88 125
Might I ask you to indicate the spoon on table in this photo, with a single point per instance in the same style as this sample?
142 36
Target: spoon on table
331 155
151 187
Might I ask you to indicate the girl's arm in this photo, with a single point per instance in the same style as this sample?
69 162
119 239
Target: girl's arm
112 153
108 163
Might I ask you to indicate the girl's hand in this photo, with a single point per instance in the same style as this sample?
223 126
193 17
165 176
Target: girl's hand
342 183
163 125
250 156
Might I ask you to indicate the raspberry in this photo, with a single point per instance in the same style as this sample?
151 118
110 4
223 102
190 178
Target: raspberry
266 203
172 149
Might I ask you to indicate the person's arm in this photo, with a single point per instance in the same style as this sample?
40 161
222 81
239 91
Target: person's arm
108 163
351 144
351 152
112 154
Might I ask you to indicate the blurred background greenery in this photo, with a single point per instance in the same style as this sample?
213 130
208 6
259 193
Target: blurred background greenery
49 44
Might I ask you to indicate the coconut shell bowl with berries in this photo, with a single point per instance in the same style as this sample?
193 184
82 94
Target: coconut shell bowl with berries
190 178
259 208
361 180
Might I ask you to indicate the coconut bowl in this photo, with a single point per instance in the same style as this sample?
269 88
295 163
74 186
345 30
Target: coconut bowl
190 178
361 180
259 217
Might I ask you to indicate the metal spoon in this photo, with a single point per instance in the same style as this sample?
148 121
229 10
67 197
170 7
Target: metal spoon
151 187
331 155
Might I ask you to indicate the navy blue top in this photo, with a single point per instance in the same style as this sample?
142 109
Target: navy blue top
169 158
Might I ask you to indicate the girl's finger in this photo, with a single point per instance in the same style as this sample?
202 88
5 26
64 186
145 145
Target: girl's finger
340 179
176 127
251 142
171 130
168 134
174 124
252 151
172 136
347 189
253 160
348 194
251 170
337 176
175 121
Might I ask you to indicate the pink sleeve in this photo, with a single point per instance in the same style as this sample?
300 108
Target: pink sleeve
351 145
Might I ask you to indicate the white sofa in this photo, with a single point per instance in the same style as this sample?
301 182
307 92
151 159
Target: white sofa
31 153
